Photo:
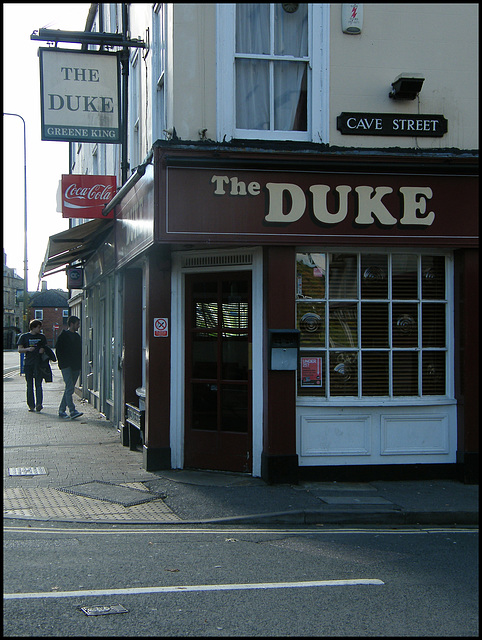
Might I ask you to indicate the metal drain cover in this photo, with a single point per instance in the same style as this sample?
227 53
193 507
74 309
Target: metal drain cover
103 610
100 490
27 471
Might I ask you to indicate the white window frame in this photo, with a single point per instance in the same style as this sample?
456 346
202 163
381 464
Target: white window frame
428 400
134 111
318 93
39 314
158 70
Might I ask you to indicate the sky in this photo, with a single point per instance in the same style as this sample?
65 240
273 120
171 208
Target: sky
46 161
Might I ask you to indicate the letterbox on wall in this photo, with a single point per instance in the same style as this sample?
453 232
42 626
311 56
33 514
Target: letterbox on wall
283 349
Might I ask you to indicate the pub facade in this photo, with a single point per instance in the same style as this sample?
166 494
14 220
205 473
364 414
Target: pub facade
301 314
286 291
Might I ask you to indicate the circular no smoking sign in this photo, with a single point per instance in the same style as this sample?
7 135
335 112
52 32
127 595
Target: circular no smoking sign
160 328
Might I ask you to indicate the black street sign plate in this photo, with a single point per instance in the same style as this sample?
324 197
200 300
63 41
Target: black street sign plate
392 124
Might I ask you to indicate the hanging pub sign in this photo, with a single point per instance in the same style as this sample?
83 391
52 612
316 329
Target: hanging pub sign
79 96
391 124
85 196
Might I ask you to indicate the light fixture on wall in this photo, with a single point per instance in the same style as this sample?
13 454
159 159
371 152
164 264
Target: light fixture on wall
406 86
290 7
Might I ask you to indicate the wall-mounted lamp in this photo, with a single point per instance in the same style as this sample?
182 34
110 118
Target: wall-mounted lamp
406 86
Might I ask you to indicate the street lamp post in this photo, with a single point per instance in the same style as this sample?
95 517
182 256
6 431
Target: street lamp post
25 259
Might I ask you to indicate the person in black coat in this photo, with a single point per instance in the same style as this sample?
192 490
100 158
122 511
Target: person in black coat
33 344
69 357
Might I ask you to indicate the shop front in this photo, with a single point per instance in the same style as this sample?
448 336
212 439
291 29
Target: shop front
288 313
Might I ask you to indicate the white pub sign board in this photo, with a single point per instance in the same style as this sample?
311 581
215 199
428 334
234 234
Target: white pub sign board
80 96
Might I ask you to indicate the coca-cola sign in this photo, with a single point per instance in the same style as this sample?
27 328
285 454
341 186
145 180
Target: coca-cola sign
85 196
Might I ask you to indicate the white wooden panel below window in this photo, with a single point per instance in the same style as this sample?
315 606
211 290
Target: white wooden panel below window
414 435
335 436
352 435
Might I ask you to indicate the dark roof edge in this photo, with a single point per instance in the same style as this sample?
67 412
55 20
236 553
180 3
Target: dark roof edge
272 146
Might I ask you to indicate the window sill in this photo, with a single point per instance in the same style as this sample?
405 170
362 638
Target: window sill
349 401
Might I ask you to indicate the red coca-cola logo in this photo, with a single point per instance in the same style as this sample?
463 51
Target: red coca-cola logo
103 192
85 196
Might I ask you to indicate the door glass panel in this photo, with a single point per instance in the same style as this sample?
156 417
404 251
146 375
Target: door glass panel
205 304
204 406
235 304
204 355
234 408
235 356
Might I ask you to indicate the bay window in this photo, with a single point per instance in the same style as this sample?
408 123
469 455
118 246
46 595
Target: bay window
372 325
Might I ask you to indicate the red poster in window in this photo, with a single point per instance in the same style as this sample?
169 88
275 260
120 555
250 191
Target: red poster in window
311 372
86 196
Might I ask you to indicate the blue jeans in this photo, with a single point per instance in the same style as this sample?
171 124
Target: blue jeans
70 378
32 373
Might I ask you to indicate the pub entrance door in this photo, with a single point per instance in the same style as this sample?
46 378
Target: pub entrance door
218 393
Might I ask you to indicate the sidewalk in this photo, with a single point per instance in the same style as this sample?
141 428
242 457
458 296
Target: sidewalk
84 474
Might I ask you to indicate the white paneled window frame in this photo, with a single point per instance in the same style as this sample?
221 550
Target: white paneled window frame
327 351
158 70
318 79
135 110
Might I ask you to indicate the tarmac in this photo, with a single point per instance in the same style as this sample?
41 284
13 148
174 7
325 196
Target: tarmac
78 471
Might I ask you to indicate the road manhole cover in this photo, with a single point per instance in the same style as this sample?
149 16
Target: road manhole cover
102 610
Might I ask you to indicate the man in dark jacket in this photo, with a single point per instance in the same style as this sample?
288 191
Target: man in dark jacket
33 344
69 357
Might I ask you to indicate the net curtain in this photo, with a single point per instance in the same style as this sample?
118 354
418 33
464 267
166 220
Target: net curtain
290 39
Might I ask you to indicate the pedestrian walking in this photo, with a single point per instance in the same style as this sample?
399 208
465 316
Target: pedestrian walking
33 345
69 357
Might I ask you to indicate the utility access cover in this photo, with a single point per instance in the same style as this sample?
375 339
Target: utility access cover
102 610
27 471
100 490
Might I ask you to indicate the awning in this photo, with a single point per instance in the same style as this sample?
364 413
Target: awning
76 243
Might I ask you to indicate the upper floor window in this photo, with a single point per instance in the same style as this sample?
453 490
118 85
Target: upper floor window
135 111
158 70
271 72
39 314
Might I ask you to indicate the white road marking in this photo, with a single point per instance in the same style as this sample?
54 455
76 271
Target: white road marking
235 530
187 588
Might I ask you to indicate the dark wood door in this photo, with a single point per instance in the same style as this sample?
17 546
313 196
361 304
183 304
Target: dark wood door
218 372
